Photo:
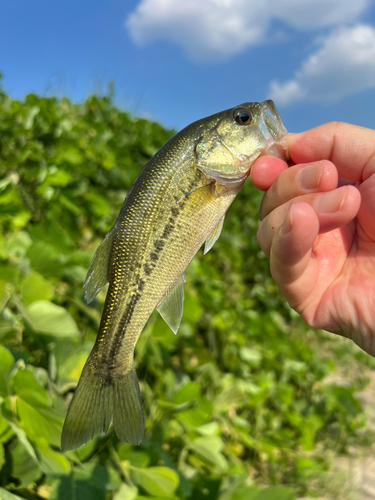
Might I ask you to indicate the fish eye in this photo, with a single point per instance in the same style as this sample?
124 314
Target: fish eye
242 116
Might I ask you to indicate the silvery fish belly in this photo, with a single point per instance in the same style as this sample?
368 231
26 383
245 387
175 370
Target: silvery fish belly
177 203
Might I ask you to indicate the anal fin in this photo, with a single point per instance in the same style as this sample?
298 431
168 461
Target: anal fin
211 240
97 275
172 306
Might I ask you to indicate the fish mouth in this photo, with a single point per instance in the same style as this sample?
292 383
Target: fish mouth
229 180
273 130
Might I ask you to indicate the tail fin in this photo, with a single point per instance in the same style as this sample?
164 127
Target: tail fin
97 402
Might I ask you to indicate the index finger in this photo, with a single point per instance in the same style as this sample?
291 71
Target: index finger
349 147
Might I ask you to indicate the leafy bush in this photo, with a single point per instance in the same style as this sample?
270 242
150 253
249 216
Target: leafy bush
236 405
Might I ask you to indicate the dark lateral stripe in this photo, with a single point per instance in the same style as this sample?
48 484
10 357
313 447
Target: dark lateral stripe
154 256
159 245
147 269
120 333
167 231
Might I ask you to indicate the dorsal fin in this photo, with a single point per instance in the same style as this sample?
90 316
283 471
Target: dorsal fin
97 275
172 306
214 236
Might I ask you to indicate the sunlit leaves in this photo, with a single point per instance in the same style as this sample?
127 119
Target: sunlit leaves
6 495
126 492
2 455
88 482
52 462
23 468
209 449
35 287
50 319
6 363
157 481
240 388
5 430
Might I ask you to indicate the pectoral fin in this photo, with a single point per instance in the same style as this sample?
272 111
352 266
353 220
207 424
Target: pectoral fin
214 236
172 306
97 275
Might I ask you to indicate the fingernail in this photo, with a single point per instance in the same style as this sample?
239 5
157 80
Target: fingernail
330 202
309 177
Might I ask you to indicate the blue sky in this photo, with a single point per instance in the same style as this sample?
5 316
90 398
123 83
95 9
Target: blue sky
176 61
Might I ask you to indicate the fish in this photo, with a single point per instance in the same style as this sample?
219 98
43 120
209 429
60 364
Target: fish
176 204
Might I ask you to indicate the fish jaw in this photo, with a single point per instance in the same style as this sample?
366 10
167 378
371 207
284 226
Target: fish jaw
273 131
228 180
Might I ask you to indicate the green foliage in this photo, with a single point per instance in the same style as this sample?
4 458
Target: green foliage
235 402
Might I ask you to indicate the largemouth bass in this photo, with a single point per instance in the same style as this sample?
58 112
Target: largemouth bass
177 203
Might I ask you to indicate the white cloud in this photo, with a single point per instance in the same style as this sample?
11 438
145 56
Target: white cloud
306 14
218 29
343 64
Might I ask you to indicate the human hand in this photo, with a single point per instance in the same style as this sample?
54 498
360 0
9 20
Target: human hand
320 238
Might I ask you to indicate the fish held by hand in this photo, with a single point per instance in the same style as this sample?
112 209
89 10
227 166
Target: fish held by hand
177 203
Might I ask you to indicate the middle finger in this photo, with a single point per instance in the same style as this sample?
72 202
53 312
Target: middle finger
299 180
333 209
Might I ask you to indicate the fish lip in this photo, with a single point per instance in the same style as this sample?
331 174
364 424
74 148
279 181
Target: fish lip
229 180
273 130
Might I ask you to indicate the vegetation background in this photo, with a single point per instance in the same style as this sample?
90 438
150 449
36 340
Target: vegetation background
238 404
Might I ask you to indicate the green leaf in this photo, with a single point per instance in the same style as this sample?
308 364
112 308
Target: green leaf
192 308
6 360
193 418
2 456
45 258
23 440
251 356
50 319
28 471
86 451
7 495
26 387
126 492
136 458
52 462
211 429
31 114
18 243
70 368
306 467
88 482
39 422
200 414
157 481
4 293
209 448
6 363
35 287
187 393
35 415
240 491
5 430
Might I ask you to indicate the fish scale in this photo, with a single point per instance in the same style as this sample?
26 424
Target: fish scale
177 202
